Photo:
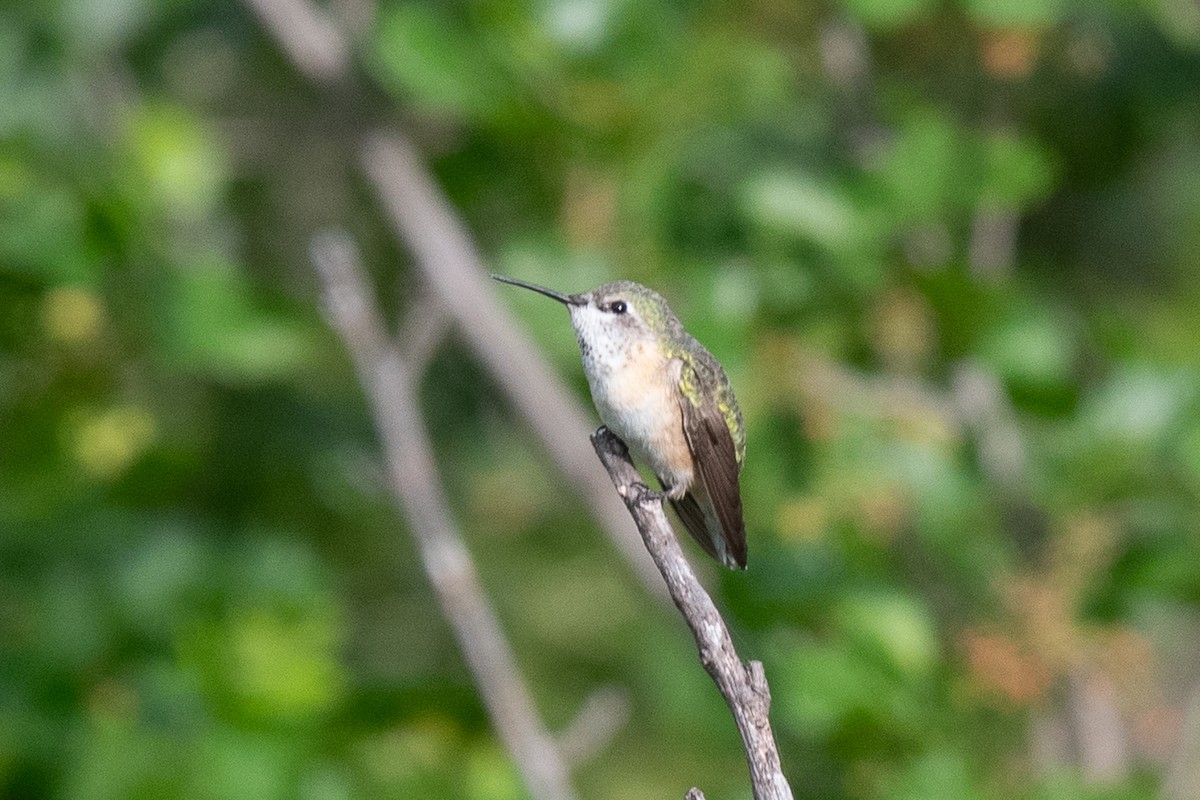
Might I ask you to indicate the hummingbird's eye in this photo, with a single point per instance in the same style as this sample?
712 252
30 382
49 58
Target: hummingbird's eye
618 307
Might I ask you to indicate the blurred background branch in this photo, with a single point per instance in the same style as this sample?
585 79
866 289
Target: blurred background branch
458 277
454 273
391 389
312 39
602 715
1183 777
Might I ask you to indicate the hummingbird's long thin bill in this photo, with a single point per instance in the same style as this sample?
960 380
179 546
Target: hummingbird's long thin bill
565 299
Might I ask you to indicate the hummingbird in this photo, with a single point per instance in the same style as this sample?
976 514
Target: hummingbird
669 400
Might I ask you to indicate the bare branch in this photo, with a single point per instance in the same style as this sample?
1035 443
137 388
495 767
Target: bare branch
310 38
455 273
1183 774
742 684
1099 732
392 393
980 401
605 712
422 217
694 794
848 390
425 328
993 245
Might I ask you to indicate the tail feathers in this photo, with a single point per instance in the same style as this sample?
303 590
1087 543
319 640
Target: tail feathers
700 518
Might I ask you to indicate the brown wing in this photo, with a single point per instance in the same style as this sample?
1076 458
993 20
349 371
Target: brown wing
715 456
692 516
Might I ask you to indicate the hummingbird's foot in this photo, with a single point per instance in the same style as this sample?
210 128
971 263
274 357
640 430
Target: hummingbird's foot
644 492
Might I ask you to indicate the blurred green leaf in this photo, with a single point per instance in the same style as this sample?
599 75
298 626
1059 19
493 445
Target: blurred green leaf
42 228
422 53
894 627
883 15
180 158
928 170
94 26
823 685
217 326
490 775
161 582
1017 171
578 25
71 631
1016 12
940 775
797 205
242 766
1137 405
118 759
1032 347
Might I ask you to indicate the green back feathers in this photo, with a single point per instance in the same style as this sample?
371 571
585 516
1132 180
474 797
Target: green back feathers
701 365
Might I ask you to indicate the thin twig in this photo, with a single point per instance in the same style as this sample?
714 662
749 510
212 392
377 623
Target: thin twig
392 393
742 684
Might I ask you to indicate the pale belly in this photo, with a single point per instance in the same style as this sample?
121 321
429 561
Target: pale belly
639 403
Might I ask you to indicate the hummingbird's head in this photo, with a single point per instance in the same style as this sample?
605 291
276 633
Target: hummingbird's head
613 316
622 312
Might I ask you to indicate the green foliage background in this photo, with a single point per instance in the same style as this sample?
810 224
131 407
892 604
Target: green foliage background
205 590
